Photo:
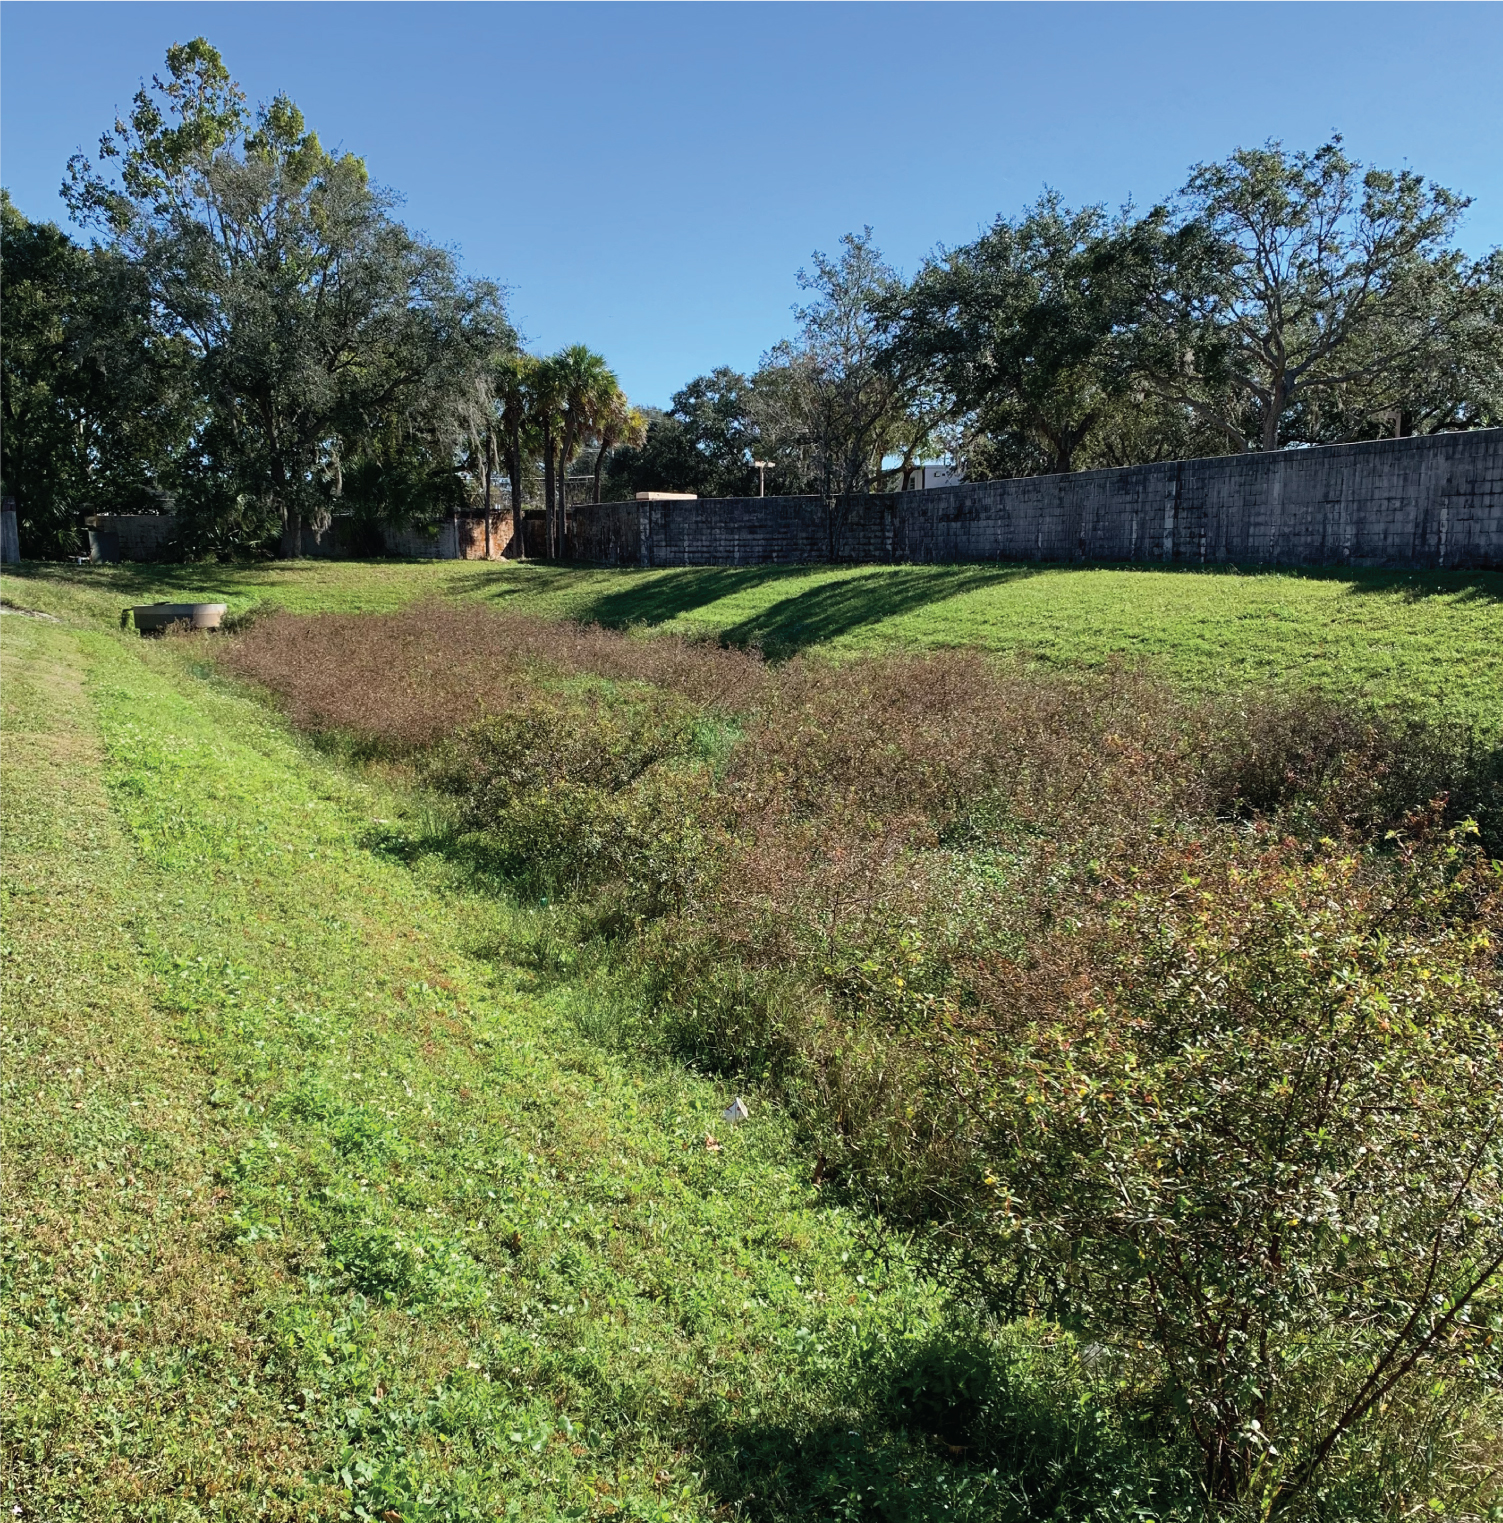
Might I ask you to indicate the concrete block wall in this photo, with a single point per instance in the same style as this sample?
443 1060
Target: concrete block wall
1435 501
151 537
451 539
132 536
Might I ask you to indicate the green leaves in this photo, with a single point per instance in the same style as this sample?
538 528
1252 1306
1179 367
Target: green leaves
413 1268
320 331
1273 1152
195 113
1022 331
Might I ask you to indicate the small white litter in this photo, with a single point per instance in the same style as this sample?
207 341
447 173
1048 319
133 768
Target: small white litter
736 1111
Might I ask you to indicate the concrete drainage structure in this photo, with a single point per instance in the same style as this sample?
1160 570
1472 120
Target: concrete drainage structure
158 618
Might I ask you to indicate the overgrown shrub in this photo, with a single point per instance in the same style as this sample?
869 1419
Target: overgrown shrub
401 681
567 799
1341 769
1245 1109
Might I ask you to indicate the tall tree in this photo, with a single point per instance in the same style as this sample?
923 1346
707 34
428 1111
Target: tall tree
514 380
546 418
717 417
1440 375
619 424
97 405
588 388
323 329
1289 281
825 400
1019 331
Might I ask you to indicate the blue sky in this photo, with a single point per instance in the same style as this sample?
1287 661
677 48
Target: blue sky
647 179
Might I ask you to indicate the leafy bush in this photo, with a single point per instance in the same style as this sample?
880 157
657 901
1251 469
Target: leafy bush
1342 769
569 798
1248 1112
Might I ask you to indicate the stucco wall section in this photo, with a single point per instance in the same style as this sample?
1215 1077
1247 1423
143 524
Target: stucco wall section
1423 502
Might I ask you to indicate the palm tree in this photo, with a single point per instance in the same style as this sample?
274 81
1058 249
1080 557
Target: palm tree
545 415
588 388
514 382
619 423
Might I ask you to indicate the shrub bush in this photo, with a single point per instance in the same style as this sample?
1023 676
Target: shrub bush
1245 1109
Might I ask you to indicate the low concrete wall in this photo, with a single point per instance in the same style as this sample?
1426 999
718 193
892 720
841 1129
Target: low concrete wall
452 539
472 536
1424 502
152 537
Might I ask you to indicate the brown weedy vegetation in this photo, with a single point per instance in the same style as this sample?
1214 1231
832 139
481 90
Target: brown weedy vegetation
1176 1019
406 679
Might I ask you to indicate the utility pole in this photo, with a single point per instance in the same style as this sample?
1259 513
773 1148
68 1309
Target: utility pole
761 466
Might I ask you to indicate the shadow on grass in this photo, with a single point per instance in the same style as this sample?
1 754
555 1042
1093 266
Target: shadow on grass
502 582
1414 586
833 609
130 582
840 600
813 604
632 597
658 598
140 579
955 1425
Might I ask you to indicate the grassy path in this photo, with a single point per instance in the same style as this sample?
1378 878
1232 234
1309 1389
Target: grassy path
1430 641
315 1209
128 1365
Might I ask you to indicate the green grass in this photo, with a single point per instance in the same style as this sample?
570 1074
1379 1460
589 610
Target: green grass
1430 641
318 1207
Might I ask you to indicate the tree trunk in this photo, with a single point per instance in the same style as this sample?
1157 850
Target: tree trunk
1278 400
518 539
547 492
292 535
563 502
599 462
487 497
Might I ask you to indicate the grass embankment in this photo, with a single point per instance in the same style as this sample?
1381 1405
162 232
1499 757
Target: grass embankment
1432 641
313 1205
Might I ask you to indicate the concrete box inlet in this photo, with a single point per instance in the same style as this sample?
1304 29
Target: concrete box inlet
155 618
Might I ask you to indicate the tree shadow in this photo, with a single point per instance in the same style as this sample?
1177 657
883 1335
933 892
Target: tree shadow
1412 586
1414 583
138 579
953 1424
507 581
840 600
833 609
820 603
660 597
634 597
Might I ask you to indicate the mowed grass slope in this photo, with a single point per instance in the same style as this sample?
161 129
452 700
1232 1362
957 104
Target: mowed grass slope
316 1208
1425 641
